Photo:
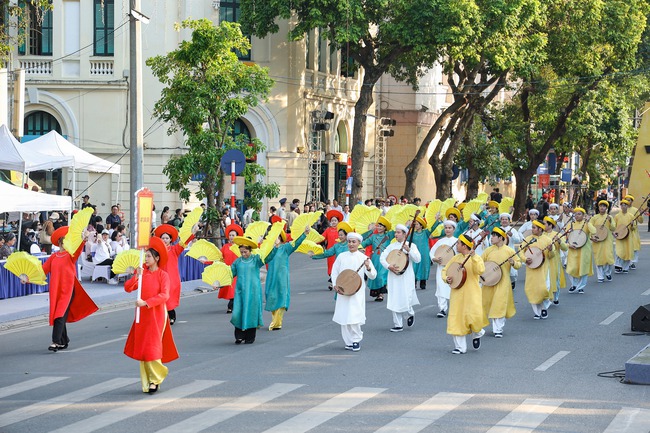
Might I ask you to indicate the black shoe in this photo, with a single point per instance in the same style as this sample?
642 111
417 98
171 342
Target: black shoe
171 321
153 388
379 299
572 289
581 292
457 352
618 270
249 341
632 266
498 335
356 347
556 302
53 347
238 341
410 320
476 343
544 314
609 277
441 314
423 285
396 329
229 311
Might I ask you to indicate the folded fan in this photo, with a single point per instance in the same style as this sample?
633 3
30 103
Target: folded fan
205 251
362 216
78 224
315 237
432 211
304 220
217 274
256 230
506 204
126 262
309 246
267 244
26 267
191 220
473 206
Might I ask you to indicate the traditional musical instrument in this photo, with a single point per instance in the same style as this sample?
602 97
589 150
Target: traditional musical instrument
601 231
577 238
622 231
398 258
444 253
458 273
492 274
535 254
348 281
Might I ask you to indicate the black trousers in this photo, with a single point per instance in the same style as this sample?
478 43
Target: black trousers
59 330
248 335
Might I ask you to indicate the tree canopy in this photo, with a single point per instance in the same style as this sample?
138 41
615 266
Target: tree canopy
206 90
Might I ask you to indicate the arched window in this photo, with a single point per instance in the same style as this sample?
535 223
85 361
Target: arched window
40 123
341 139
240 128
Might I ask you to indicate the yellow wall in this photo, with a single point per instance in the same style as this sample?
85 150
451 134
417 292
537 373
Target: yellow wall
639 180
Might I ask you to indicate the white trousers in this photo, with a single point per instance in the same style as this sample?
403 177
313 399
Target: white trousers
603 271
620 263
351 334
635 259
537 308
460 341
398 318
579 282
443 303
498 324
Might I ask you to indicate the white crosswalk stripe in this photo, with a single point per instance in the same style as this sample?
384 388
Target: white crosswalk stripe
630 420
29 384
326 411
427 413
225 411
526 417
62 401
136 407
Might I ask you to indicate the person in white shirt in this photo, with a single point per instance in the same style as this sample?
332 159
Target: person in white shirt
104 254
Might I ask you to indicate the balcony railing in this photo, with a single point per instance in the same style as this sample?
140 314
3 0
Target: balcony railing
36 67
101 67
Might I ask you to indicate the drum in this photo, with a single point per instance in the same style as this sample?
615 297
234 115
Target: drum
399 259
621 232
444 252
536 255
348 283
492 274
577 238
601 234
458 275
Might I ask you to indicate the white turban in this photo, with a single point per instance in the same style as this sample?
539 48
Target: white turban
355 235
554 205
505 215
475 217
533 211
449 223
401 227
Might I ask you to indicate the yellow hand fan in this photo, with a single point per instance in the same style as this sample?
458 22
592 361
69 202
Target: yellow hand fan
482 197
188 226
362 216
474 206
304 220
26 267
307 246
506 204
432 210
235 249
392 212
405 215
438 231
78 224
217 274
315 237
256 230
267 244
126 262
205 251
448 203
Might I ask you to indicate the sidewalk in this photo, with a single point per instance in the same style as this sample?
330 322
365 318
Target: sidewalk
32 309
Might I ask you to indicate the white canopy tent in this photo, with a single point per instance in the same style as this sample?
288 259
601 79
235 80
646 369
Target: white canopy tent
15 199
55 145
17 157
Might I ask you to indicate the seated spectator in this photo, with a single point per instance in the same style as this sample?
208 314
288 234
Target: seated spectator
104 254
7 248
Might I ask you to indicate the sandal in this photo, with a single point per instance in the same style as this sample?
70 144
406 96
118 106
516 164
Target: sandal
153 388
53 347
379 298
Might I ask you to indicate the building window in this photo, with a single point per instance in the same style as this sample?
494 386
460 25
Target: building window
104 27
40 123
39 24
230 11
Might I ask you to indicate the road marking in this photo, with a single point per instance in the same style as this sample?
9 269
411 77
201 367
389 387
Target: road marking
552 360
323 412
214 416
611 318
103 343
137 407
427 413
56 403
526 417
630 420
646 293
309 349
29 384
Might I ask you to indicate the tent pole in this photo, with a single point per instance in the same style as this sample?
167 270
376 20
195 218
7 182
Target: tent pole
74 191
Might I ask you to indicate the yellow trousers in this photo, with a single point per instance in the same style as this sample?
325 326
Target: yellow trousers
277 316
152 372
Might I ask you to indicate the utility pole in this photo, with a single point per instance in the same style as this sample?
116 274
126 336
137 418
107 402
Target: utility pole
135 111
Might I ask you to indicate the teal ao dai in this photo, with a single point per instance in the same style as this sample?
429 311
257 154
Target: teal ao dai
278 292
247 305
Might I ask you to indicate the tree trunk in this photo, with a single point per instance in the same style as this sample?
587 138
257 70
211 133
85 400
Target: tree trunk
359 137
523 178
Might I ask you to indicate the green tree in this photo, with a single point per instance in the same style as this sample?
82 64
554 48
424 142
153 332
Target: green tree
588 42
206 90
13 19
486 41
399 37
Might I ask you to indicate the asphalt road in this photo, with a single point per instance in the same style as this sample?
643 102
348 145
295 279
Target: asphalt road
542 376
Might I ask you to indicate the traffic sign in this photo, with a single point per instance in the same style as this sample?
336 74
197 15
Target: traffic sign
236 156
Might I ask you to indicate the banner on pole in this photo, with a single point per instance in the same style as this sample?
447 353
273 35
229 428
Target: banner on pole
143 209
